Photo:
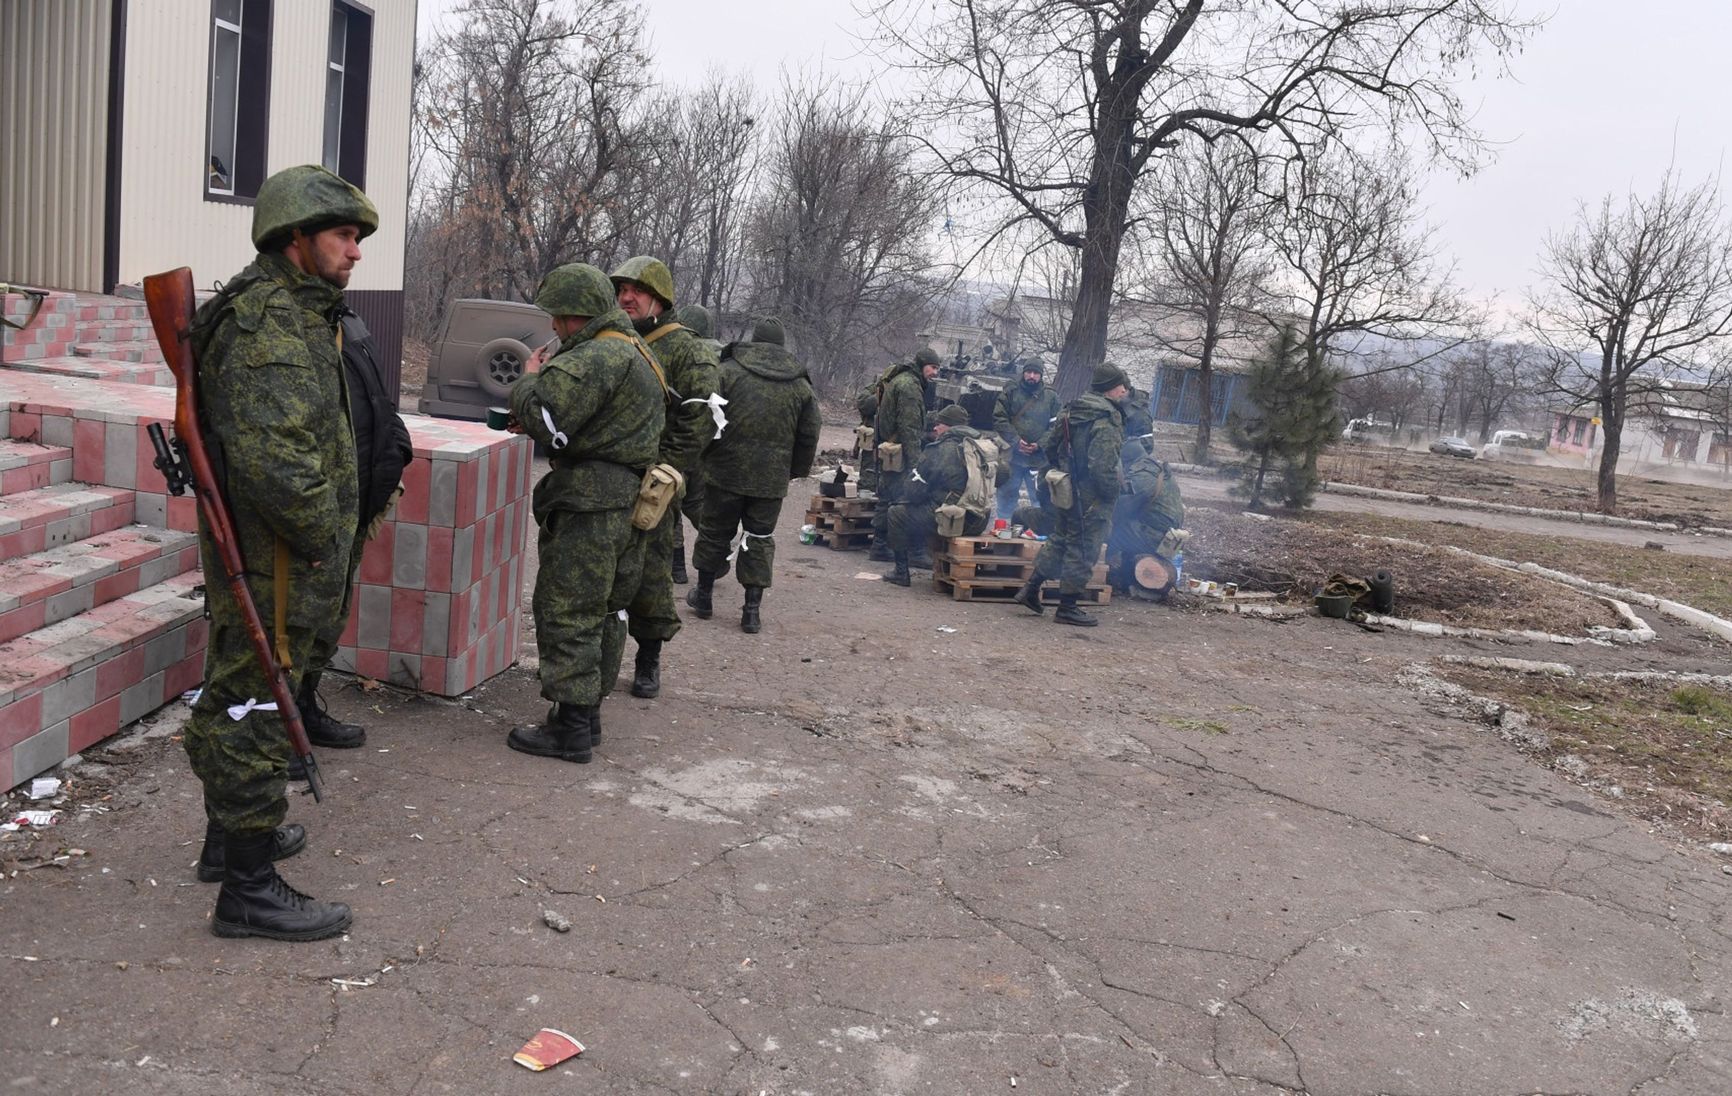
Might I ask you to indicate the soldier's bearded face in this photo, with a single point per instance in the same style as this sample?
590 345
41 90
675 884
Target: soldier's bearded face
929 371
331 254
638 302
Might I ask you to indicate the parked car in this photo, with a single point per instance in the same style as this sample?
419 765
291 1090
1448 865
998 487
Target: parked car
480 352
1517 439
1452 447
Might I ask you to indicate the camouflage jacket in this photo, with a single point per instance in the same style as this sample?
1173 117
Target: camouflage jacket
1085 441
1021 415
602 394
902 408
942 474
773 422
689 364
1151 503
276 412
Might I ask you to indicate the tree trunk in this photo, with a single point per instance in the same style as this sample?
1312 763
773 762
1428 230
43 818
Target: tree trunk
1612 424
1085 340
1206 392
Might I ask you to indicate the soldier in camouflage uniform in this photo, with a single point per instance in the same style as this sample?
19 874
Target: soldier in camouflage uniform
598 406
1084 442
1022 415
1149 506
901 421
939 479
275 413
645 290
866 404
771 438
698 320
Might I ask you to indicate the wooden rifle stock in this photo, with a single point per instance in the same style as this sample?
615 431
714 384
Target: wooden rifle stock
169 297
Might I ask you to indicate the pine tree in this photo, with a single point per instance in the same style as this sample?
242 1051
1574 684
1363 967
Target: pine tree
1292 416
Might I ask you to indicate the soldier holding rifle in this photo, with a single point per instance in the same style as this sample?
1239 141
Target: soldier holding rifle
276 423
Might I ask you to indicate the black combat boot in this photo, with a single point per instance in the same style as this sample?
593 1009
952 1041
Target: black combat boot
698 597
750 621
1029 595
880 552
1068 613
646 677
255 901
288 839
594 713
322 729
920 559
900 575
677 566
565 735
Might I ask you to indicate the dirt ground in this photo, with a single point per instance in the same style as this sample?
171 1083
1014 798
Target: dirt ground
900 844
1294 558
1553 488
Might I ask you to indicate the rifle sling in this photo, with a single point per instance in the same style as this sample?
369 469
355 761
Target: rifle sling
638 344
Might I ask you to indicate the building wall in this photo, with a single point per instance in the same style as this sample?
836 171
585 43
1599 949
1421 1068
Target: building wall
53 58
166 220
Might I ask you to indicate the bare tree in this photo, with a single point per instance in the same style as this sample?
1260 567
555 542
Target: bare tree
1211 253
521 132
837 241
1493 376
1058 107
1634 292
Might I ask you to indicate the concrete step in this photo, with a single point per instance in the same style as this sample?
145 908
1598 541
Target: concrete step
139 350
66 686
25 466
130 372
49 586
116 331
61 513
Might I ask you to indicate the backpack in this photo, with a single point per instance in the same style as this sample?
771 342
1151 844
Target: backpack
983 459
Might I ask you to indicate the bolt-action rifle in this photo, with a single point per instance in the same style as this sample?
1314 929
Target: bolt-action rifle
170 300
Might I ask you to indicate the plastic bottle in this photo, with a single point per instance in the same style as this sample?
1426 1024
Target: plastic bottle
1178 568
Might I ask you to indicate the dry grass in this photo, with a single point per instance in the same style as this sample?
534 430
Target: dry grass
1663 752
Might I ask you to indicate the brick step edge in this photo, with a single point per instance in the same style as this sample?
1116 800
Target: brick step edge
141 652
52 585
26 466
100 369
36 520
136 350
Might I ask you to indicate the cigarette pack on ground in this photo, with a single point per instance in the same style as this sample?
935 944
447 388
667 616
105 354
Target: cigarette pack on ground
549 1048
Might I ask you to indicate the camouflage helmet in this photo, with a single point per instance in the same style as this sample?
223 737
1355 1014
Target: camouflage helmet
311 199
698 319
652 274
575 289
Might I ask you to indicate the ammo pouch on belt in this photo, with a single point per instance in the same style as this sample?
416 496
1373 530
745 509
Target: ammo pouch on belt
889 456
661 486
1059 487
950 518
864 438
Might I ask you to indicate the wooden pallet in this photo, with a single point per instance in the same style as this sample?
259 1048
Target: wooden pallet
834 522
844 542
846 507
999 590
990 567
981 548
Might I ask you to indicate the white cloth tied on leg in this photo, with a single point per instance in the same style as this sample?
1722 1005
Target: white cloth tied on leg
716 402
238 712
560 441
745 543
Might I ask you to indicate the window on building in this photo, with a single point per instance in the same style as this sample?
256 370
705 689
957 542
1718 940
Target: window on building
240 93
346 81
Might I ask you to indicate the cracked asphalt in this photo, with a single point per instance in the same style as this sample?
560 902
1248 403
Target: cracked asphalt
1179 853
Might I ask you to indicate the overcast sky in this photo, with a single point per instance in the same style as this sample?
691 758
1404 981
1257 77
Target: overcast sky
1603 99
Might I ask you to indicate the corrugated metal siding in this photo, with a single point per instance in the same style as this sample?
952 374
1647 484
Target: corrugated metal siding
54 88
166 221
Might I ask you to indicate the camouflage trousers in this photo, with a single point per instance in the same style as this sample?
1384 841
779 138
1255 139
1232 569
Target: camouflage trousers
726 513
891 488
1070 552
591 561
690 506
650 610
243 763
912 525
